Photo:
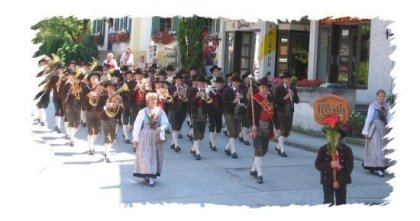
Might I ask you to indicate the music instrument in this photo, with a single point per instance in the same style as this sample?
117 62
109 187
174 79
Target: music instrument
205 96
165 94
116 101
182 93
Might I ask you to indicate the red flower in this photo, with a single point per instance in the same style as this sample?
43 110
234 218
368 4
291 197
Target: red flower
331 121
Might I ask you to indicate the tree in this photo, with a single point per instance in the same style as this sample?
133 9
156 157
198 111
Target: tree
69 38
190 41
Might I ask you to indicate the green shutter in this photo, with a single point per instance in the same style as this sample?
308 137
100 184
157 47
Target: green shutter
117 24
217 25
155 24
129 25
103 27
175 22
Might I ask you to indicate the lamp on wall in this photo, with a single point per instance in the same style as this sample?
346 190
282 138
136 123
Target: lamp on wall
388 33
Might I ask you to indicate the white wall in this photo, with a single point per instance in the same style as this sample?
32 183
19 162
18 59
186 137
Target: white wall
313 50
145 33
379 63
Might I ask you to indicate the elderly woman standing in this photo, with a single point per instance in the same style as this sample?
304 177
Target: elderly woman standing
150 122
375 132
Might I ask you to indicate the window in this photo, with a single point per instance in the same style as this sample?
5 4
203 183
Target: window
98 27
293 47
208 25
343 54
122 23
165 24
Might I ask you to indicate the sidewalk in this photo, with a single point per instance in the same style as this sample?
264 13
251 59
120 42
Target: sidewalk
313 143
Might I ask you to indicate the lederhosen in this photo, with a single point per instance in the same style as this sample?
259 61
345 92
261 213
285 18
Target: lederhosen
57 100
232 112
44 100
108 124
92 119
72 106
177 110
137 101
285 108
215 111
198 114
265 119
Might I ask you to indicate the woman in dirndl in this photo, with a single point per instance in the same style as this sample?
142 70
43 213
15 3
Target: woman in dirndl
375 131
148 131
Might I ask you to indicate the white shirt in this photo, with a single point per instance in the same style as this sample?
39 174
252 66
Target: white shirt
369 118
163 122
126 59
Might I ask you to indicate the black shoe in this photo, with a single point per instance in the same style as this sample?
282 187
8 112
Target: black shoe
225 133
57 129
42 124
227 151
188 123
173 146
283 154
107 160
259 179
241 139
177 149
189 137
179 136
213 148
246 143
127 141
234 155
84 124
91 152
71 143
278 150
253 173
67 137
197 157
167 132
192 152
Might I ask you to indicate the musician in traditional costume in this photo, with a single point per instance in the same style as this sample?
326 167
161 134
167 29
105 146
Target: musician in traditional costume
137 97
126 99
57 98
215 72
215 111
109 107
72 92
243 135
178 108
285 96
198 99
262 118
92 91
232 110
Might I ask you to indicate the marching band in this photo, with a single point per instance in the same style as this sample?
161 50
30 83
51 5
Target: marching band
110 96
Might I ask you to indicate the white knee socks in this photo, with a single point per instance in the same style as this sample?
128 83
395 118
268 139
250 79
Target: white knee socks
125 131
280 145
232 145
175 138
196 147
258 165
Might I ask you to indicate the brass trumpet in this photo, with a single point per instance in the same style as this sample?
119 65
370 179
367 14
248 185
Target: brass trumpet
182 93
205 97
165 94
115 99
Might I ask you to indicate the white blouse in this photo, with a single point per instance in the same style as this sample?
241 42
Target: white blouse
162 121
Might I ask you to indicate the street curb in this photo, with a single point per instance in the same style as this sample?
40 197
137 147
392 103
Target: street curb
312 149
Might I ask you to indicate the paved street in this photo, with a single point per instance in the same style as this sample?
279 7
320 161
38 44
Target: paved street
216 179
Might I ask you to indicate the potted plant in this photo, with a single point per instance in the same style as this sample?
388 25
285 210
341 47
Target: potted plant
356 122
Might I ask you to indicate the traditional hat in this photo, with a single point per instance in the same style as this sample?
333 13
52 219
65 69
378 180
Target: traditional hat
93 73
245 75
170 68
219 80
59 65
116 73
339 130
124 68
138 71
44 58
71 71
215 67
110 83
98 68
179 75
264 81
159 79
236 78
162 72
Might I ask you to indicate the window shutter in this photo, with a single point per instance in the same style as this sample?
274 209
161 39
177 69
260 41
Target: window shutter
175 23
103 27
94 27
217 25
129 25
155 24
117 24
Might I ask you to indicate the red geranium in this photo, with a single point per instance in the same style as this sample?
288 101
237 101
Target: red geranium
331 121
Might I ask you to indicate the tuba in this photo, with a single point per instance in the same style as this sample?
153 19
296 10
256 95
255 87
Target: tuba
165 94
205 96
115 99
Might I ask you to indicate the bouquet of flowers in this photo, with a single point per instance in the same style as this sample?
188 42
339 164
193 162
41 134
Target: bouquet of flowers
332 124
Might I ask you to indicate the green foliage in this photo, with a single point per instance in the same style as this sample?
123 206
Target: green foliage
190 41
390 99
357 120
363 73
67 37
